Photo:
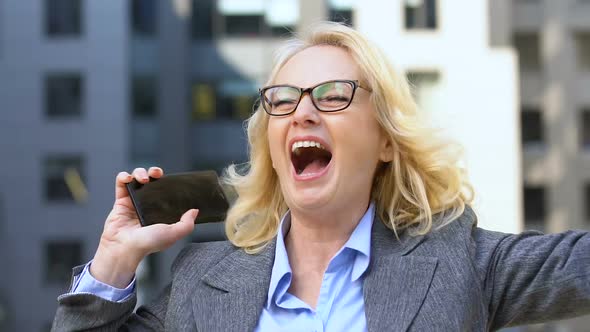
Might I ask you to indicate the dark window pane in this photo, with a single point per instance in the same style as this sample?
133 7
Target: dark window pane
532 126
420 14
144 17
281 31
60 258
341 16
144 96
236 99
527 46
64 178
226 100
534 205
202 19
244 25
585 130
63 94
63 17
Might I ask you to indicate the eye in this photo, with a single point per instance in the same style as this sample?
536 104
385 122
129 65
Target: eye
283 102
333 98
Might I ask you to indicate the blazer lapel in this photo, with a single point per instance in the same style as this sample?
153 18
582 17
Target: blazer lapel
237 293
395 285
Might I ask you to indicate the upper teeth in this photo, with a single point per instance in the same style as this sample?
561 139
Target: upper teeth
306 144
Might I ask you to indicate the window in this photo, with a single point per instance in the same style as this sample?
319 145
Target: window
229 99
583 50
144 96
63 95
236 99
420 14
585 130
144 17
534 207
64 179
202 19
424 85
282 30
527 46
281 17
247 18
63 18
60 258
203 101
532 126
244 25
340 15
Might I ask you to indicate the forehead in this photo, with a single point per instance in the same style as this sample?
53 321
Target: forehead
318 64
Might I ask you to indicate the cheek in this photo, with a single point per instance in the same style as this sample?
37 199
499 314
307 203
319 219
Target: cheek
360 139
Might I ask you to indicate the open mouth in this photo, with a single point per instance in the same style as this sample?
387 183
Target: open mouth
309 157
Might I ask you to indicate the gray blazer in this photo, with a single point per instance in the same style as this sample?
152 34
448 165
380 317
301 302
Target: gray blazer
459 278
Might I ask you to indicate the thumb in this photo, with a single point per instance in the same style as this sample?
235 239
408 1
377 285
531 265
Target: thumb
166 235
185 226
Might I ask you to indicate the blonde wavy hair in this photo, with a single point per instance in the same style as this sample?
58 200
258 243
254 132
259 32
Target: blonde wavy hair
423 179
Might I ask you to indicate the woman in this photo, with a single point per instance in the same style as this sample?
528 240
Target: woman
351 217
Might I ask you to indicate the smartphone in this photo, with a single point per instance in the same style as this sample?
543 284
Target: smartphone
165 199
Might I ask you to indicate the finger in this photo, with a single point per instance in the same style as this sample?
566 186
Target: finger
141 175
155 172
120 181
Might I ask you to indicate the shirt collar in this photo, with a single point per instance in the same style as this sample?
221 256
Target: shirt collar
359 242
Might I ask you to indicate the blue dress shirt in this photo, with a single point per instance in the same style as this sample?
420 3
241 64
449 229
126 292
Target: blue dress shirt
340 306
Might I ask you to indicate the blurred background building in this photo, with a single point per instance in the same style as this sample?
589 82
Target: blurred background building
89 88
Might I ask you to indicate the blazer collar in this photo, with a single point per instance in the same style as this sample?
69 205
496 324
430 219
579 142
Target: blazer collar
395 285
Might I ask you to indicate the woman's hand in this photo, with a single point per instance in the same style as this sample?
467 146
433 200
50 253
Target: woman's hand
124 242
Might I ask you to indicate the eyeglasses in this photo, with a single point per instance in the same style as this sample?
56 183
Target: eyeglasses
330 96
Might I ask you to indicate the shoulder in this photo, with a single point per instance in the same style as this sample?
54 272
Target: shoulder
461 235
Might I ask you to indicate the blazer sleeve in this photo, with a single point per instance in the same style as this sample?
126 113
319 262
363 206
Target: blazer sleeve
532 278
85 311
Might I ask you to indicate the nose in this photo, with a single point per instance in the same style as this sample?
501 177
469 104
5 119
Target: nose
306 114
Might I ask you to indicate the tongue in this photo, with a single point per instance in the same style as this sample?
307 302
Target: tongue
314 167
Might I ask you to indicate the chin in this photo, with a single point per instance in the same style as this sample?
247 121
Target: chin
309 199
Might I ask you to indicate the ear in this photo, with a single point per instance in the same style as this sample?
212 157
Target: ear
386 149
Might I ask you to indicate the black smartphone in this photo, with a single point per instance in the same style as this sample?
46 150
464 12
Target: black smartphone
165 199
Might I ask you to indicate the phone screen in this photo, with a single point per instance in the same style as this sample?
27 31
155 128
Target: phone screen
164 200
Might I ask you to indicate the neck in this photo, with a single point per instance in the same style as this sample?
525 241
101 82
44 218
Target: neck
314 238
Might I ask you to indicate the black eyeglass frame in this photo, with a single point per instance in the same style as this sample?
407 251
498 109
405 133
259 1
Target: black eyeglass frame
355 85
